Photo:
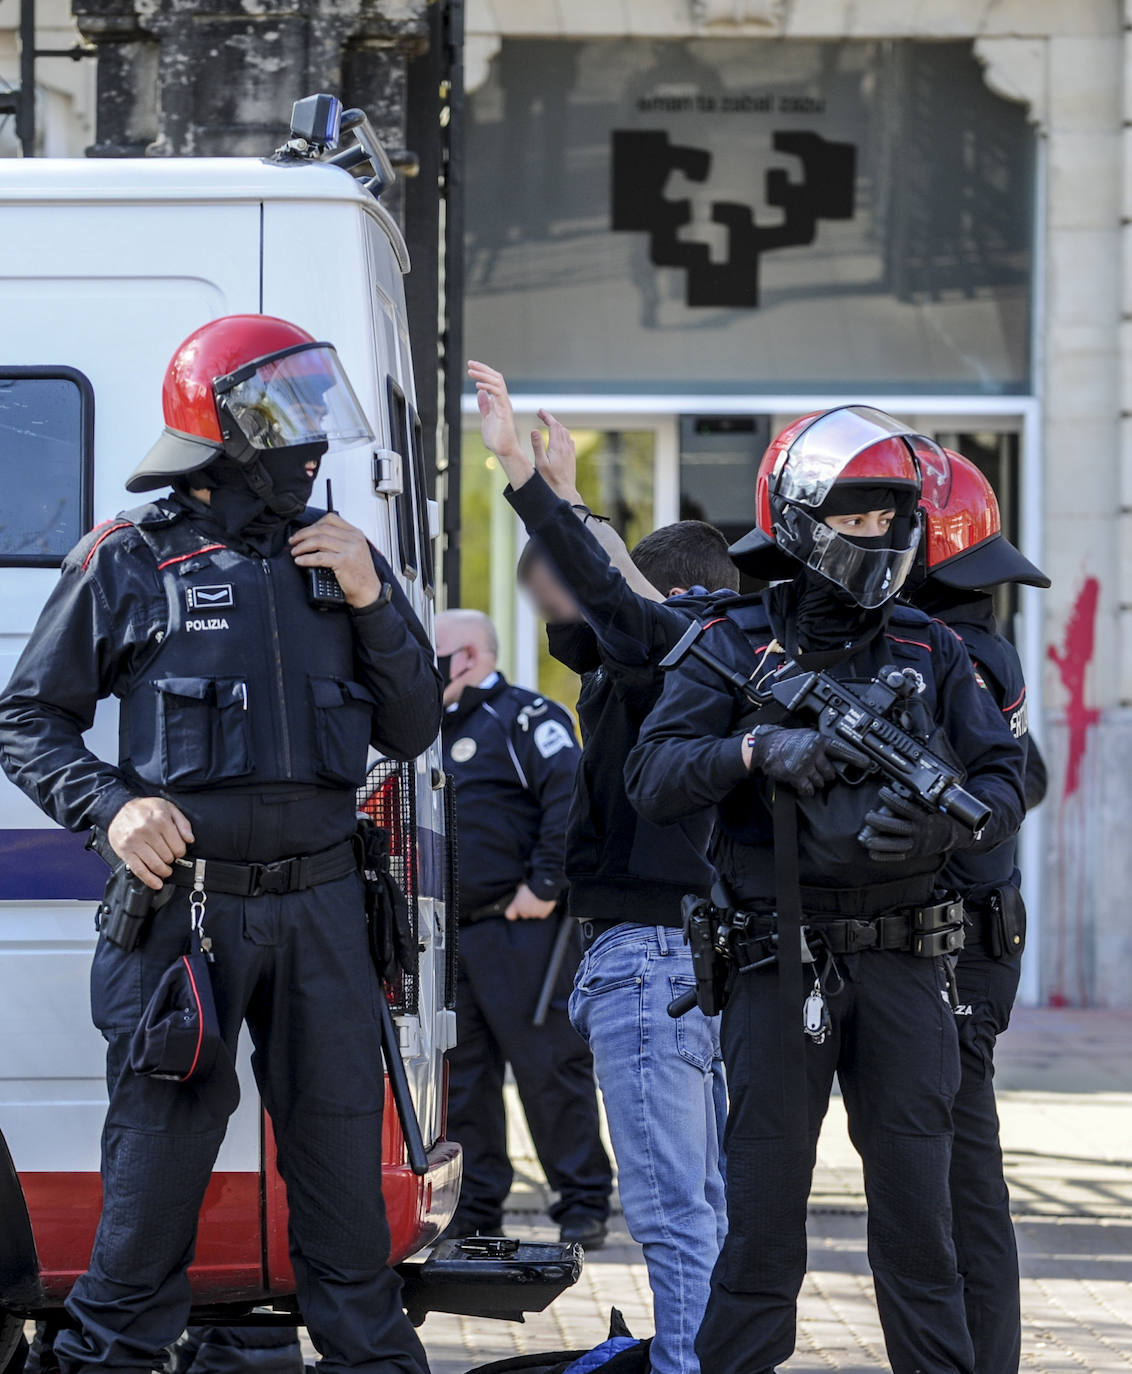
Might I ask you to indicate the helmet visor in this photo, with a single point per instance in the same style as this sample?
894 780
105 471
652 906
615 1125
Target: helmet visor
870 576
298 397
820 454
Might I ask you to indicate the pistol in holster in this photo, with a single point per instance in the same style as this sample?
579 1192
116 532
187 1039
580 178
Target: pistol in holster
710 964
127 905
392 943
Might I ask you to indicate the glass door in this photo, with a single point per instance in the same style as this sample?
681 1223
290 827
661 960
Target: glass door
626 471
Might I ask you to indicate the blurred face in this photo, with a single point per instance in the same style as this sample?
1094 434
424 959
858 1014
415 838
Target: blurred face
549 597
872 524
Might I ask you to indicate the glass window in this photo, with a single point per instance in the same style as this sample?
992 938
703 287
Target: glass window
46 455
615 478
738 215
424 525
403 503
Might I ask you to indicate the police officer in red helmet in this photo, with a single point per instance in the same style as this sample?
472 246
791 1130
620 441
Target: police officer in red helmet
247 711
801 835
964 557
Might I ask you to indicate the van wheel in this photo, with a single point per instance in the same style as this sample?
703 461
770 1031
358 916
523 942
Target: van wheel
13 1345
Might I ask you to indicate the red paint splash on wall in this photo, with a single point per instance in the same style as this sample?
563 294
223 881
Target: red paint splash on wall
1072 664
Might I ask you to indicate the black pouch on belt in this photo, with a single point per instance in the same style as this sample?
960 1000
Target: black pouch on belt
1006 922
387 910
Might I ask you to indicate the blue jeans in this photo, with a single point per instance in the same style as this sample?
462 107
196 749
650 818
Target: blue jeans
665 1097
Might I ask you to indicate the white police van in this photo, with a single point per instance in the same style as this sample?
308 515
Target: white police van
106 266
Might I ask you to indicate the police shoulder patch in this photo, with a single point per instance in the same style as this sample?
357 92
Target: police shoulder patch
551 737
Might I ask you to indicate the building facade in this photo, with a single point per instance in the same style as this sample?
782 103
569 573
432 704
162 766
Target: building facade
689 221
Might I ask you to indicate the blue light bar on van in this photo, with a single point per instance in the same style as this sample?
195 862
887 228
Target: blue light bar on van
317 120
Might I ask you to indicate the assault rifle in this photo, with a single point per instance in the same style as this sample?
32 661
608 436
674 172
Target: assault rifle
860 717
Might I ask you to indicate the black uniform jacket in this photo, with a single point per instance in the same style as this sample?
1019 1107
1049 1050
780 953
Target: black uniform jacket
689 756
621 866
204 644
512 756
999 670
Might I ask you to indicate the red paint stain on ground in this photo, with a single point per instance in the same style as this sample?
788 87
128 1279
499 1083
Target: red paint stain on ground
1072 663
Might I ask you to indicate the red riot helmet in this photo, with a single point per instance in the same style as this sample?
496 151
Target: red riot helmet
248 385
840 461
965 547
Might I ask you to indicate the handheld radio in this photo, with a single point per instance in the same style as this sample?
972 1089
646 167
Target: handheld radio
323 589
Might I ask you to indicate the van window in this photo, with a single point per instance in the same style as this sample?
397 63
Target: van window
46 460
420 485
403 504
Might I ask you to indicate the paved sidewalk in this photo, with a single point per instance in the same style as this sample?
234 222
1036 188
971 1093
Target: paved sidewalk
1065 1092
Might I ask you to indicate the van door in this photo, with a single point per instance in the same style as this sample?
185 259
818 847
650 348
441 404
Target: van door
94 298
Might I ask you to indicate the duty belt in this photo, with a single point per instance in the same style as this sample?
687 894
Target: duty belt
925 931
260 880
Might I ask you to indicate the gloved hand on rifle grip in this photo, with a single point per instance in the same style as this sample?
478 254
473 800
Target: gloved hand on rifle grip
900 828
800 757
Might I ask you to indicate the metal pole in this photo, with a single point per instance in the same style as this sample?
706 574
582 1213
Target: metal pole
25 113
453 22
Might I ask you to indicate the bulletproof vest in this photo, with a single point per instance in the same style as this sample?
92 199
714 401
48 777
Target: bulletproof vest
829 853
248 684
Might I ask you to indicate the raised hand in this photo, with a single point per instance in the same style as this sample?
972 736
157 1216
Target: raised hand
497 422
556 458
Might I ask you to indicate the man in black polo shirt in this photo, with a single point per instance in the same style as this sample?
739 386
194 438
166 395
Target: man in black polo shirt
513 755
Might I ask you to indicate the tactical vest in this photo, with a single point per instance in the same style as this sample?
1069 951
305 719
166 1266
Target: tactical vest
249 685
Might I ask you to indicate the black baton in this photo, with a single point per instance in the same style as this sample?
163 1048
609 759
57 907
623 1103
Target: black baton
553 969
399 1084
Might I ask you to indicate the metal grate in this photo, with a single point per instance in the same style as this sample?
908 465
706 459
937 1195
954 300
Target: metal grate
389 797
451 895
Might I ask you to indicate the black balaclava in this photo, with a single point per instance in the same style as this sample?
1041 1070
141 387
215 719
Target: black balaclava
828 624
240 513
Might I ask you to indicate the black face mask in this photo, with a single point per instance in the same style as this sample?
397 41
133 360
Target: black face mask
239 508
444 667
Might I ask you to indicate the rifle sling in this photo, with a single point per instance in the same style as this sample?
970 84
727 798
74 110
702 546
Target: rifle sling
791 985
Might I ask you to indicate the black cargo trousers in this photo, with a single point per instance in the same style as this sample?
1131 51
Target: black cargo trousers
985 1245
894 1049
297 969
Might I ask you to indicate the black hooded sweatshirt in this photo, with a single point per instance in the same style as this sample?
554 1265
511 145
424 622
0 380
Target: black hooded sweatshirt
621 867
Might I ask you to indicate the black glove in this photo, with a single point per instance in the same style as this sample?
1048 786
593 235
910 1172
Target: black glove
901 828
802 757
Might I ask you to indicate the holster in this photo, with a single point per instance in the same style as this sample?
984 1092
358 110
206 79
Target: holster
701 928
1004 922
127 905
392 945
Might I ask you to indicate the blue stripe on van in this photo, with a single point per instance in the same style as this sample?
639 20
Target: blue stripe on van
48 865
52 865
431 862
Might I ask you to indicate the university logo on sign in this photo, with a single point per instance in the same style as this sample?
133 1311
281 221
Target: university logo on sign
643 160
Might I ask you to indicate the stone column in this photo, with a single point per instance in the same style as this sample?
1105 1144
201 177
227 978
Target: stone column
180 79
